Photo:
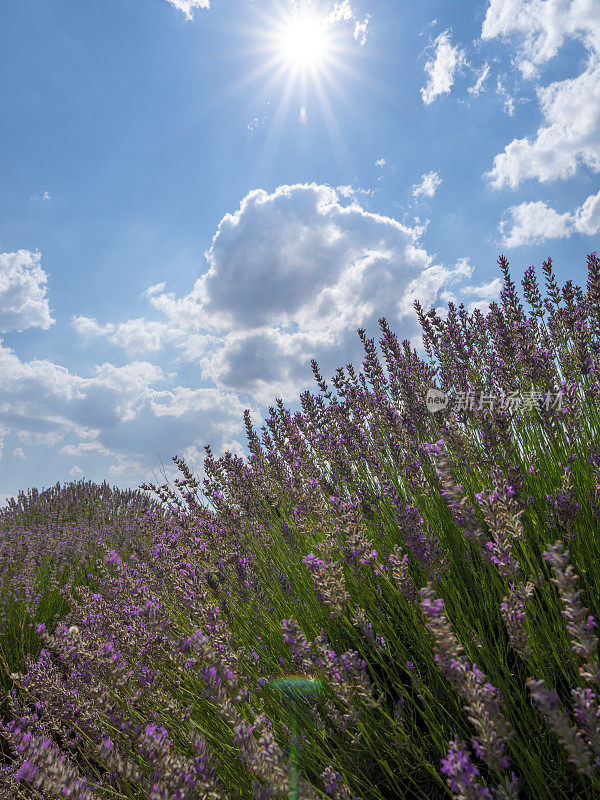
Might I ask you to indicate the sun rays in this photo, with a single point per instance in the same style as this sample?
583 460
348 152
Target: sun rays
305 40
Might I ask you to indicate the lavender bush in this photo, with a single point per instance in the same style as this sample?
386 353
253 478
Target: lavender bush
438 572
49 541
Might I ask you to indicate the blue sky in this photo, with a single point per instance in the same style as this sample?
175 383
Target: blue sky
198 198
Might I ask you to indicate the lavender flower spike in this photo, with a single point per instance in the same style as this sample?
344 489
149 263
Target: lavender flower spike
470 683
335 786
584 642
585 706
328 578
462 774
512 609
546 702
462 511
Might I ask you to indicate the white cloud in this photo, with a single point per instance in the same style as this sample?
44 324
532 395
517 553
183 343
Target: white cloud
154 289
481 78
134 336
509 100
188 6
380 163
76 473
442 68
85 449
116 414
486 293
352 193
430 181
127 386
23 300
18 452
360 30
125 466
569 136
342 12
587 216
181 401
542 26
46 197
532 223
20 378
431 24
291 276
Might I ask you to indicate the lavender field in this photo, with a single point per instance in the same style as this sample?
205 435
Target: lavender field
437 572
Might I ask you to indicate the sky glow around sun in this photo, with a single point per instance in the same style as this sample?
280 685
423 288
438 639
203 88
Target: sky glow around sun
305 56
304 41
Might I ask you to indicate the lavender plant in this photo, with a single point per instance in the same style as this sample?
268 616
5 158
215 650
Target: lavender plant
402 558
49 541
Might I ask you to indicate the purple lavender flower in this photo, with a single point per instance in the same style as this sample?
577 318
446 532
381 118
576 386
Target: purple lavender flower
462 774
564 504
546 701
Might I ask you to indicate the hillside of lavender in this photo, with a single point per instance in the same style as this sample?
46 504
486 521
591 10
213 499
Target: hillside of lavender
437 571
49 542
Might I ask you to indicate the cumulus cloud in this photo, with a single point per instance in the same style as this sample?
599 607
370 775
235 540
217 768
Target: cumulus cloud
23 300
123 414
18 452
442 68
380 163
18 377
430 181
291 276
532 223
188 6
76 473
587 216
135 335
542 26
569 136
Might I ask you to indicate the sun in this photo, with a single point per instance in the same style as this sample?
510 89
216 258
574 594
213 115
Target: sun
305 56
305 41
